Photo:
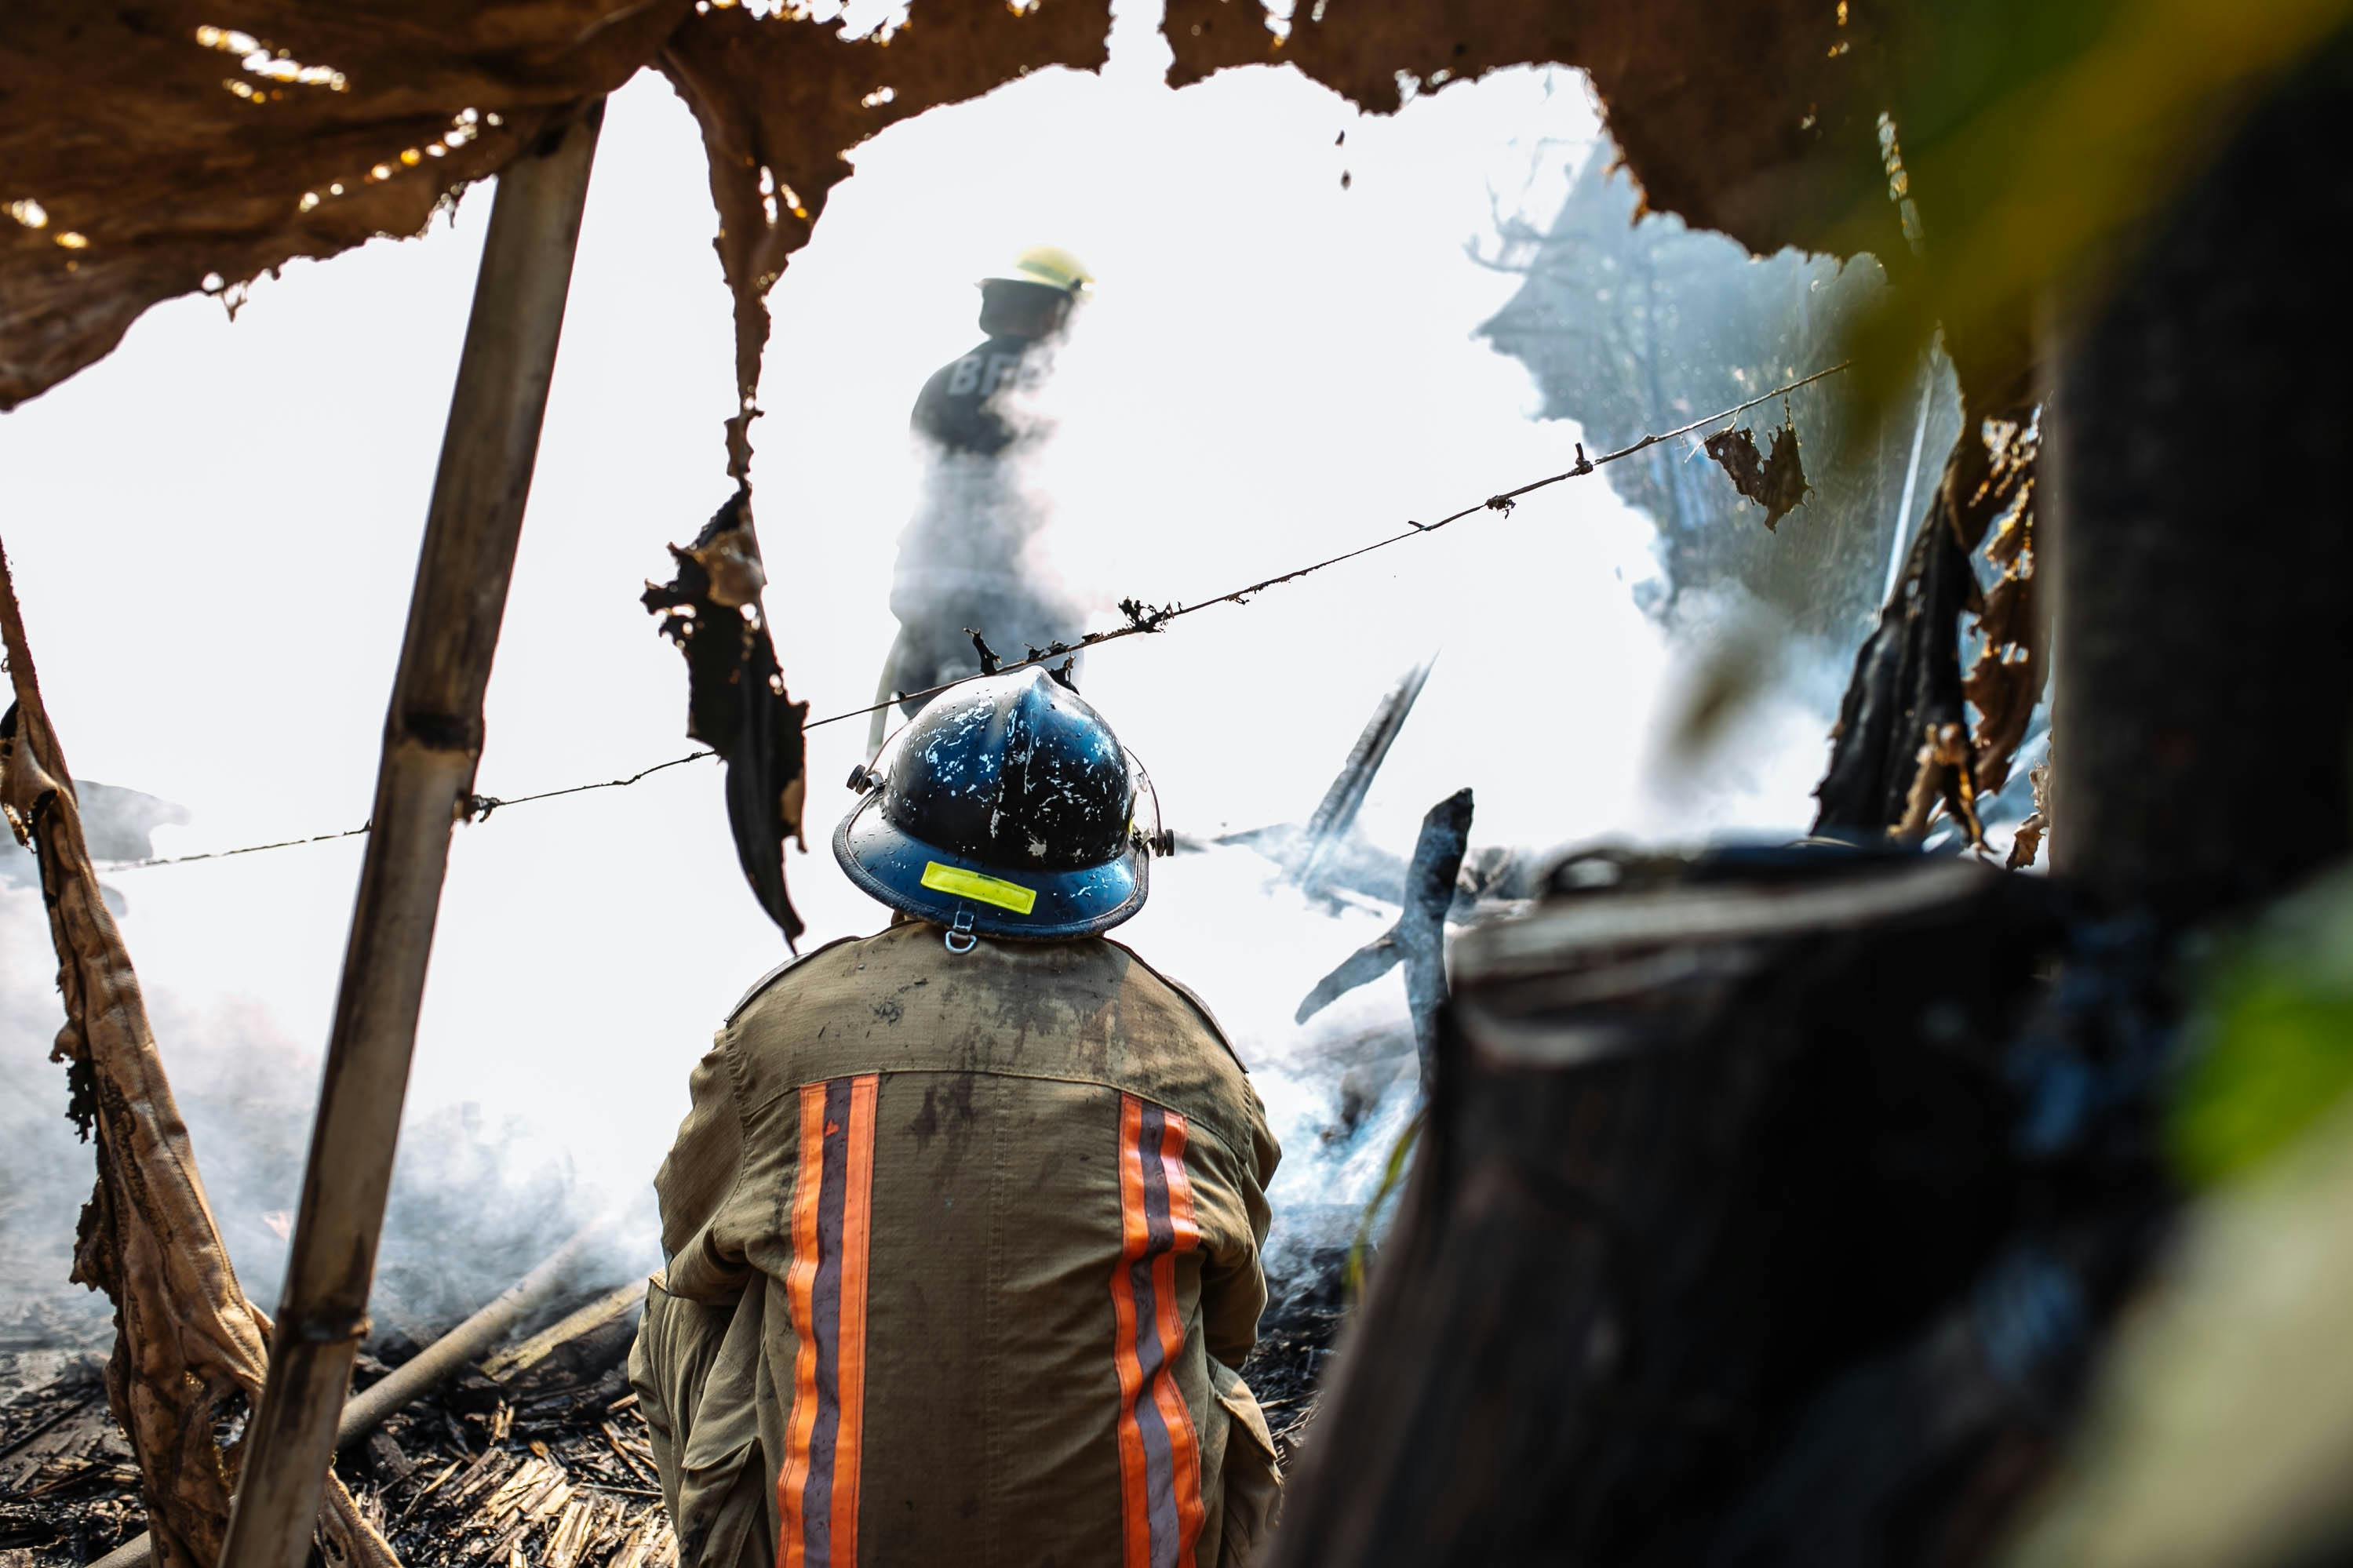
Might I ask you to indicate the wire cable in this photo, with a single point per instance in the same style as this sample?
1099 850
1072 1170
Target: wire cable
1142 620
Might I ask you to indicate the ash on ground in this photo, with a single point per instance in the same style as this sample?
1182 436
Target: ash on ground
537 1454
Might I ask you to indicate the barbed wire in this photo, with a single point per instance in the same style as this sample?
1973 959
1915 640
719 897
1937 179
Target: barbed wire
362 829
478 809
1142 619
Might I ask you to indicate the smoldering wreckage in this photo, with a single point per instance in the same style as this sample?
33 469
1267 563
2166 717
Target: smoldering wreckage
1768 1204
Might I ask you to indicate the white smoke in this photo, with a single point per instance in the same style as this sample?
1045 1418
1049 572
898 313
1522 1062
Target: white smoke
1278 366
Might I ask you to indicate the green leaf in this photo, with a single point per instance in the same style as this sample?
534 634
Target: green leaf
2275 1025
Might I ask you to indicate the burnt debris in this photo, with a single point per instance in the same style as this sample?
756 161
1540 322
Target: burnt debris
1908 694
68 1481
989 662
538 1448
1145 617
1905 688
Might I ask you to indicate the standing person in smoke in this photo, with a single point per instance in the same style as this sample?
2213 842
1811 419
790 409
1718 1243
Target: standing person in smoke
963 1230
960 567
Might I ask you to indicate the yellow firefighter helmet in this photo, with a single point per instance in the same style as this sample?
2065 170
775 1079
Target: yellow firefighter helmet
1050 265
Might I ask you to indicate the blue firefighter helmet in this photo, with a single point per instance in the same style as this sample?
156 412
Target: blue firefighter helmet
1006 809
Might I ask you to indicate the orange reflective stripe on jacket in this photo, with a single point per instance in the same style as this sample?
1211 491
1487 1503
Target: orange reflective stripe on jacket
1159 1456
817 1490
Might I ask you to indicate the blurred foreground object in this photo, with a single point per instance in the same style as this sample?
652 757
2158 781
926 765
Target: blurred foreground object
1724 1242
2224 1436
1780 1216
189 1355
736 699
2205 538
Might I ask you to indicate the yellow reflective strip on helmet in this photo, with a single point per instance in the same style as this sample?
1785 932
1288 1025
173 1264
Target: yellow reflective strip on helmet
1053 267
979 885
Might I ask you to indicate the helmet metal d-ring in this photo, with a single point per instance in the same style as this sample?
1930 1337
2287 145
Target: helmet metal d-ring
960 939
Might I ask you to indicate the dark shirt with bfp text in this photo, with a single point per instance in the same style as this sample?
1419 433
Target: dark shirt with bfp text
960 406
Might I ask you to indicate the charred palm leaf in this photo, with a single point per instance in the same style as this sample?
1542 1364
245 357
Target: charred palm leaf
1776 481
736 703
2005 680
1907 681
190 1350
1907 684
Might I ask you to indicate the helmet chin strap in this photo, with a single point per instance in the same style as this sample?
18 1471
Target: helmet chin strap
959 938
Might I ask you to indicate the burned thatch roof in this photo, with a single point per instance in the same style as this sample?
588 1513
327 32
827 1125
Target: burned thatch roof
163 148
158 149
1753 119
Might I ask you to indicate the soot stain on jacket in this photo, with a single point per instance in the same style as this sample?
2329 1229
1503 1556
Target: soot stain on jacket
948 1107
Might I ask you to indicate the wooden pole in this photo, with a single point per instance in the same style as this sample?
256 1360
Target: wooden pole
432 742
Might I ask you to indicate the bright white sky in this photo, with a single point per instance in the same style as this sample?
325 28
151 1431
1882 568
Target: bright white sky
214 531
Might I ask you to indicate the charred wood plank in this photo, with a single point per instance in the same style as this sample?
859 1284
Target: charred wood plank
1335 814
576 1349
1418 938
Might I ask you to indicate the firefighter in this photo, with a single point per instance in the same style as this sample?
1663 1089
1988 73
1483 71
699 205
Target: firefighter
977 421
963 1229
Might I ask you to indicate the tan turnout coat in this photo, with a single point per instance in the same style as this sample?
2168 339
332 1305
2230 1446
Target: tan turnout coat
963 1260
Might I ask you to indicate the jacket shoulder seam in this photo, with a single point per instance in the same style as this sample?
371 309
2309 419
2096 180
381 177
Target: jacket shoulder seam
735 1098
1190 996
778 972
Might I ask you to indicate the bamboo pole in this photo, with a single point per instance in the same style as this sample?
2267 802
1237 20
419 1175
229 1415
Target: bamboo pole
432 742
